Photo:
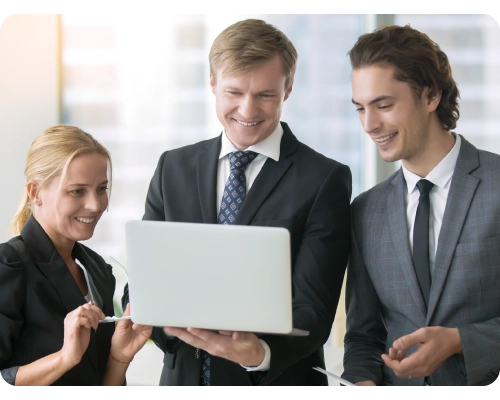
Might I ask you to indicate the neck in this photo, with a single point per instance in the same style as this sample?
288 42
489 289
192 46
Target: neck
438 145
64 246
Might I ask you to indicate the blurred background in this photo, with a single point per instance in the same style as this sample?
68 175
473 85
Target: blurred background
141 86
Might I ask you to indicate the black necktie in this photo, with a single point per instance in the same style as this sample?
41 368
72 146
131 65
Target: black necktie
421 239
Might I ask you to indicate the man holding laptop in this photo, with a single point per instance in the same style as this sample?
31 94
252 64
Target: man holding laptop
257 173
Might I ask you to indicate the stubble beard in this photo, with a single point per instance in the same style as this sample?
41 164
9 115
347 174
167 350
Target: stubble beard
414 143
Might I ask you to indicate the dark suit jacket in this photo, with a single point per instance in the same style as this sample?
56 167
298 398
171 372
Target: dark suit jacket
37 291
304 192
383 297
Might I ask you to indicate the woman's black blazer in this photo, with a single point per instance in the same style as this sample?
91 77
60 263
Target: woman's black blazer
37 291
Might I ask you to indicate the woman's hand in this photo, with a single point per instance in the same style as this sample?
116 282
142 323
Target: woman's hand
128 338
48 369
77 326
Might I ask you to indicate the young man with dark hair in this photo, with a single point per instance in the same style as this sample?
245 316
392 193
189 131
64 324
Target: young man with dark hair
422 296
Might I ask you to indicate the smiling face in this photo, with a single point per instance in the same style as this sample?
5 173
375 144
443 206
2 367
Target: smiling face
397 122
249 106
70 209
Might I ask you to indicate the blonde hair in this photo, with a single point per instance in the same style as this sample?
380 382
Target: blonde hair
247 44
49 156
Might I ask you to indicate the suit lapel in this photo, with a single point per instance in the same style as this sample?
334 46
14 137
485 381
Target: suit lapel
53 267
97 286
462 189
399 232
268 178
207 180
99 289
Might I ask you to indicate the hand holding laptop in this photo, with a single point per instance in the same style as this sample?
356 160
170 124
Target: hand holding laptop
128 338
240 347
173 264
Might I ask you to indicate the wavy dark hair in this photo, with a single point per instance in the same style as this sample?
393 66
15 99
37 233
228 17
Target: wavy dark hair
417 60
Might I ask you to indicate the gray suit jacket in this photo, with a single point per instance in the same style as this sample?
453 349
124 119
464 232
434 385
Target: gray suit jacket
383 298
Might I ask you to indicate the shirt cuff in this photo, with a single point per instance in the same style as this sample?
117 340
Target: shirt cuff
266 362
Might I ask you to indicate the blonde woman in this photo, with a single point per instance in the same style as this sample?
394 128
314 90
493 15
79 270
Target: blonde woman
53 289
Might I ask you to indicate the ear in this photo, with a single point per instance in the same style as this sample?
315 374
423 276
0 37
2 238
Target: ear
33 190
213 82
288 91
433 99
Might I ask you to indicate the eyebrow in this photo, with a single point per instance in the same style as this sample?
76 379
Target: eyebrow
375 100
235 89
85 184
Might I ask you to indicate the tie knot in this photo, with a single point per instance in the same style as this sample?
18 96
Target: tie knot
240 160
424 186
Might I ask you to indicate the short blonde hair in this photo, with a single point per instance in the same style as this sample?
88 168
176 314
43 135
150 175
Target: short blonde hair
49 156
247 44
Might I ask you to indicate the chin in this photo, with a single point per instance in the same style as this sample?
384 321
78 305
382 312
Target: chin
84 236
389 157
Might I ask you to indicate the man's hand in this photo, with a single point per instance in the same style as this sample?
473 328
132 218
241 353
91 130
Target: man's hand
240 347
435 345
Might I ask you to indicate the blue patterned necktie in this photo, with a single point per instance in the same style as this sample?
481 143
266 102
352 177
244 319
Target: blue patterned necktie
235 192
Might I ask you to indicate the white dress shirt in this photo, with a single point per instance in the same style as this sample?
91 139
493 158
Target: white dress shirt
440 176
268 148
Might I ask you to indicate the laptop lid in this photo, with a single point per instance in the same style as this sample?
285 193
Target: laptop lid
217 277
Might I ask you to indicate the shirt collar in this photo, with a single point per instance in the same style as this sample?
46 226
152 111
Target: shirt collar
440 174
269 147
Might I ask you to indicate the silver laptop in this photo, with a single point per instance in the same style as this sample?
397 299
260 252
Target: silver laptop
215 277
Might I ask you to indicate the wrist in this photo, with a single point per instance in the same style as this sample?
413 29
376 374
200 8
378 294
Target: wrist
120 359
260 354
265 359
457 343
66 360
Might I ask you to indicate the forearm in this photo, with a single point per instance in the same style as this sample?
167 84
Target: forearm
362 360
44 371
364 342
481 349
289 350
114 375
165 342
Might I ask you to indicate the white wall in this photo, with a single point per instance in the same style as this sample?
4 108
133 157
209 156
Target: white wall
29 98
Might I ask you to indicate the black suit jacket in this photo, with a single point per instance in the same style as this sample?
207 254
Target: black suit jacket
37 291
304 192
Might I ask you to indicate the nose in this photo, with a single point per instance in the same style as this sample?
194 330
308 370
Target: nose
248 108
370 121
93 202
